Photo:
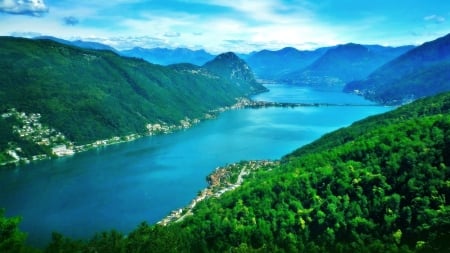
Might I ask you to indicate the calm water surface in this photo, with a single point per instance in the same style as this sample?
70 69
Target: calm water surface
122 185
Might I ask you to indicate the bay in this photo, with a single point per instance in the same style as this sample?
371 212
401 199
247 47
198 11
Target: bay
119 186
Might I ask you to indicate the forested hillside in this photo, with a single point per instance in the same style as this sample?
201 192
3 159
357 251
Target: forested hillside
62 94
380 185
234 69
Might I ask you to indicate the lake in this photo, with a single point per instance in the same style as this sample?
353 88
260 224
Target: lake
119 186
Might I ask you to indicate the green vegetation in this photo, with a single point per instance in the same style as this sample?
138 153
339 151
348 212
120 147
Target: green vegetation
12 240
231 67
380 185
90 95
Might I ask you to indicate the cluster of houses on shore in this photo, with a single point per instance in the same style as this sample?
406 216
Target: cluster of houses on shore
28 127
220 181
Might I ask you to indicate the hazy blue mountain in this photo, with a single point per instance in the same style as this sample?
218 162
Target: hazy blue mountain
79 43
342 64
59 40
92 45
422 71
165 56
271 65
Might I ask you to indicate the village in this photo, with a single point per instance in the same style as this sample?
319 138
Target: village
28 127
222 180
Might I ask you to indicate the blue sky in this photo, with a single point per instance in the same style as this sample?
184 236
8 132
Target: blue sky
229 25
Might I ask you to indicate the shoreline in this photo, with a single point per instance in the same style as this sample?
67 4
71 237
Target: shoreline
220 181
65 148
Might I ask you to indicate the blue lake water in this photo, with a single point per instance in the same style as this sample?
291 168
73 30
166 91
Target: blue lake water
119 186
298 94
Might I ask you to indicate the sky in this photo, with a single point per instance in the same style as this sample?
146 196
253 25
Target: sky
219 26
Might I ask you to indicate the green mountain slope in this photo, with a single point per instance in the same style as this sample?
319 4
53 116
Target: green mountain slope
231 67
380 185
420 72
87 95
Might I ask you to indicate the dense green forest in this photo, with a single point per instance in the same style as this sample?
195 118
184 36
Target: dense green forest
90 95
380 185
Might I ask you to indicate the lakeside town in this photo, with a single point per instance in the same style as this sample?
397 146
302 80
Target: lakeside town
220 181
29 128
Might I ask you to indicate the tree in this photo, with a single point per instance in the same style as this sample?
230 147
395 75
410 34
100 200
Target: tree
11 238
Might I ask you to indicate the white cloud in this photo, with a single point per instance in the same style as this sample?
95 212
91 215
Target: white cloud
434 18
257 24
128 42
172 34
25 7
240 25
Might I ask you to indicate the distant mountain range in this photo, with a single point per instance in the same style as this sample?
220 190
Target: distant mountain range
78 43
388 75
161 56
342 64
88 95
271 65
423 71
165 56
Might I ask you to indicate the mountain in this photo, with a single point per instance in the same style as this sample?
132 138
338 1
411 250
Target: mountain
165 56
379 185
342 64
229 66
270 65
92 45
78 43
55 94
423 71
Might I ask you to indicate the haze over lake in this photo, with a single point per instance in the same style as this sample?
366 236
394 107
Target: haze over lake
119 186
